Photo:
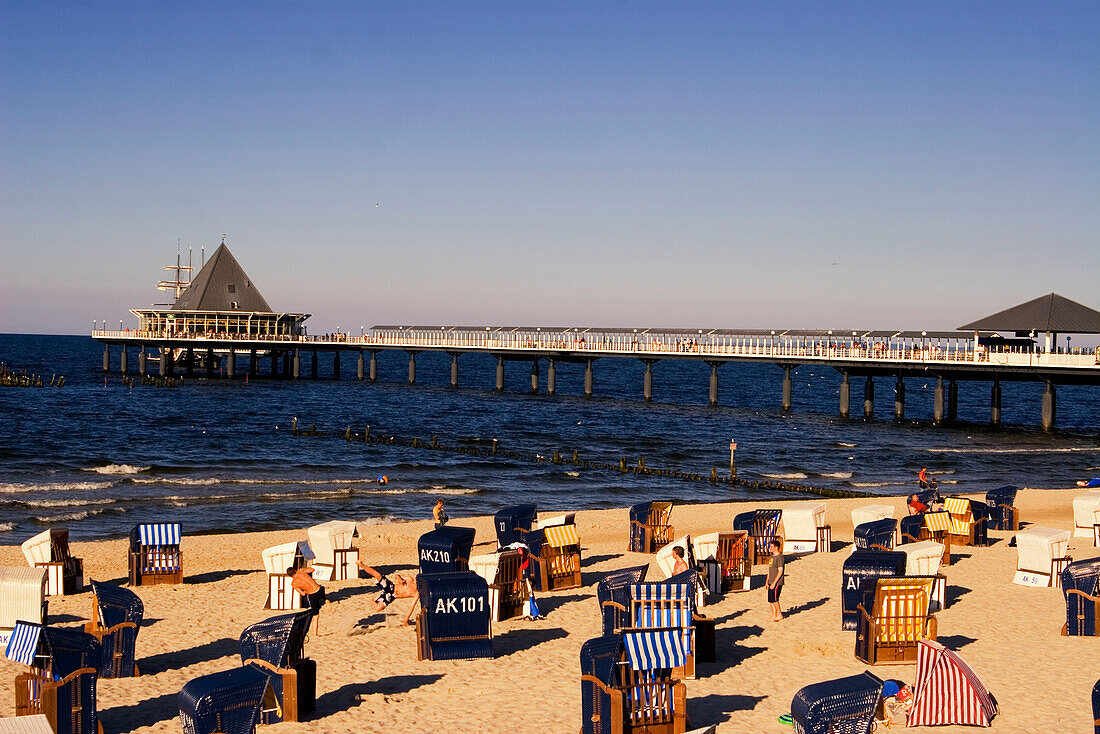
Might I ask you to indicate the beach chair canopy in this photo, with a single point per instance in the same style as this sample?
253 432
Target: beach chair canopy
758 523
922 558
1082 576
862 568
22 592
278 640
929 496
1037 546
1086 513
295 554
227 702
947 690
705 547
445 549
49 546
910 527
513 523
456 606
569 518
655 649
876 532
555 536
841 705
899 598
58 650
1003 496
155 534
26 724
867 513
117 605
802 519
327 537
615 587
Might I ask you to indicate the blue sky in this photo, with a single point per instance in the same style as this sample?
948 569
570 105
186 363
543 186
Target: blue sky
769 165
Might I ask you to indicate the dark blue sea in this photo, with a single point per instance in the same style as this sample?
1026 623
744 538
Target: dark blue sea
98 456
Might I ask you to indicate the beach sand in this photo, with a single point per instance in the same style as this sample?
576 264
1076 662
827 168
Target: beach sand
370 681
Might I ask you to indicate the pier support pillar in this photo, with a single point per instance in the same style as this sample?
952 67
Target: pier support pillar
995 404
190 361
296 369
845 395
336 365
286 363
713 383
786 389
313 365
500 374
230 363
869 398
274 363
899 399
165 360
412 368
122 360
1049 407
535 377
952 401
647 380
937 404
588 379
141 361
209 361
359 367
372 369
253 365
551 378
106 357
454 370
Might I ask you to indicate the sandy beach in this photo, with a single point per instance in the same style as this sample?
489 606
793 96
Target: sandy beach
370 681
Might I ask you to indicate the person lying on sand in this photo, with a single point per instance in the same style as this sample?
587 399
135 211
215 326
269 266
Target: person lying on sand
399 588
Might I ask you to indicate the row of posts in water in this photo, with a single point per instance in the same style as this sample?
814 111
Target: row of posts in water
22 378
623 467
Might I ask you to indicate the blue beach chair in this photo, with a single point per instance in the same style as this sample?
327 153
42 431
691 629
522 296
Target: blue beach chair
650 526
1096 708
876 535
1080 581
64 669
862 568
228 702
762 526
613 595
841 706
445 549
155 555
453 623
513 523
1003 515
276 647
628 684
116 621
910 528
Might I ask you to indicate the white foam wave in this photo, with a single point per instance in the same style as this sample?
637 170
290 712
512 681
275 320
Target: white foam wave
18 488
68 517
865 485
118 469
70 503
572 474
6 526
206 481
837 474
845 445
789 475
1062 450
941 471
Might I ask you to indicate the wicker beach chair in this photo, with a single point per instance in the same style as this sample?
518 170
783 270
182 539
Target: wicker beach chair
50 550
1003 514
1086 515
967 521
445 549
650 526
22 598
513 523
275 647
734 555
805 529
155 555
61 683
875 535
893 618
507 586
556 554
613 595
670 605
841 706
628 684
859 569
1041 556
1096 708
228 702
335 557
867 513
281 595
116 621
454 619
1081 587
924 558
762 527
909 528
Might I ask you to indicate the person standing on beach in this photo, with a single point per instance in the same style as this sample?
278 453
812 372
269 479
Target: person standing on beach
922 477
775 577
439 514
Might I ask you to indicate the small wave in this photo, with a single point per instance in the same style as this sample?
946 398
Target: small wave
866 485
948 481
118 469
206 481
1063 450
845 445
53 487
67 503
572 473
182 481
837 474
790 475
941 471
68 517
6 526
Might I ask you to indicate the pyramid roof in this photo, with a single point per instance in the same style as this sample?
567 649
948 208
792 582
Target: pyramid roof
221 285
1051 312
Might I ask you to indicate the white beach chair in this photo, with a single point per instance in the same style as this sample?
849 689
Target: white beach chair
1086 516
336 558
805 529
567 519
50 550
1041 554
277 559
924 558
507 587
22 598
33 724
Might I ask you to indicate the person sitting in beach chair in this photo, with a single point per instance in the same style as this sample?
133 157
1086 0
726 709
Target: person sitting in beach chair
389 590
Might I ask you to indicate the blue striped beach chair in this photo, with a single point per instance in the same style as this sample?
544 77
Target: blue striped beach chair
650 526
876 535
513 523
155 555
116 621
228 702
613 595
667 606
762 527
1080 585
445 549
276 647
61 683
628 684
453 623
841 706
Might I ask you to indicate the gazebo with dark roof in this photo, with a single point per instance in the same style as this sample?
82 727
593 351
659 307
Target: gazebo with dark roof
1051 314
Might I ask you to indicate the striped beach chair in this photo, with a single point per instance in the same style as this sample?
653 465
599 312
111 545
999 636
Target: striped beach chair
860 570
966 528
116 621
628 684
667 606
335 557
762 527
445 549
50 550
454 619
155 555
613 595
276 647
61 683
650 526
841 706
924 558
228 702
504 574
513 523
948 691
556 553
1081 587
281 595
893 618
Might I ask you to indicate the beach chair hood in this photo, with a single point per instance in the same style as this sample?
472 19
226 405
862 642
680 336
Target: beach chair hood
598 658
278 558
445 549
39 549
456 606
513 523
63 651
848 702
227 702
910 527
117 605
863 568
876 532
948 691
277 640
615 587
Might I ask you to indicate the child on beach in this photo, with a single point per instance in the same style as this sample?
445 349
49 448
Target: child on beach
775 577
439 514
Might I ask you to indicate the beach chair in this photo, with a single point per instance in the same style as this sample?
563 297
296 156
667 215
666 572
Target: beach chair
875 535
893 618
1003 515
513 523
556 555
277 559
335 557
859 569
228 702
937 528
22 598
1086 516
722 560
445 549
1096 708
61 683
924 558
50 550
841 706
613 596
670 605
805 529
628 684
650 526
948 691
909 528
762 527
116 620
453 623
275 647
155 555
966 527
1041 556
507 586
1080 587
32 724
